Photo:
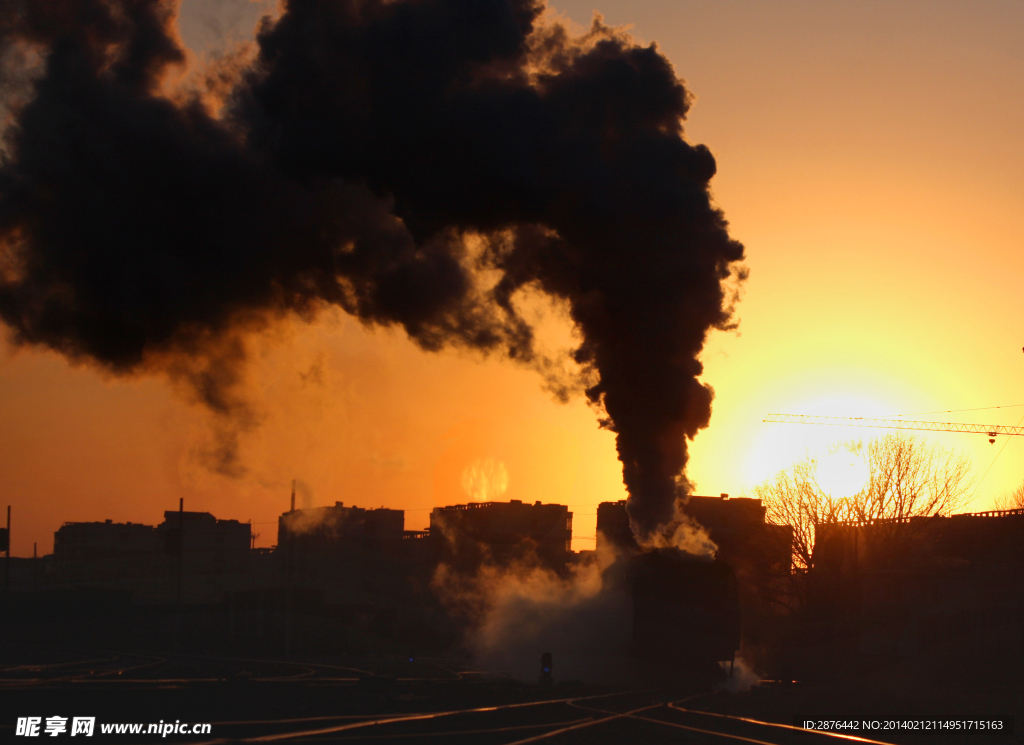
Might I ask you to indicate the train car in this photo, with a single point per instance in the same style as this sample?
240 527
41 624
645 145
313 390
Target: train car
686 612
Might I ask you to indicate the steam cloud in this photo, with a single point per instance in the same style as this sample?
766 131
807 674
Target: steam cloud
582 618
357 161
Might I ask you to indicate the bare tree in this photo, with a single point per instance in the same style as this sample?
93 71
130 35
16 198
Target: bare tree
911 477
908 477
1013 500
793 497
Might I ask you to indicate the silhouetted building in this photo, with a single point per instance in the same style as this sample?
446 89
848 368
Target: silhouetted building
736 525
103 552
211 556
613 529
731 522
468 535
760 553
351 555
207 545
330 525
951 587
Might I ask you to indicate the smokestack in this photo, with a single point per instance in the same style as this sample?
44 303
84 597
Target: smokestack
293 496
384 157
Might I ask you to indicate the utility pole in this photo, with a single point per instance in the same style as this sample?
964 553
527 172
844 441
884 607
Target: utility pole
181 554
288 581
7 553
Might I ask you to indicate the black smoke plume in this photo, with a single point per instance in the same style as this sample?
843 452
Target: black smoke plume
355 161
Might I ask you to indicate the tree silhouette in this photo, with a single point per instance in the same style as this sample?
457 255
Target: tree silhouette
1013 500
908 477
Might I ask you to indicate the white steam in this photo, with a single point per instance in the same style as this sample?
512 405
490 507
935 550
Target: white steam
687 535
742 677
583 619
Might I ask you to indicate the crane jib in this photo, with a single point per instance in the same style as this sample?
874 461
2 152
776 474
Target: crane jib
845 421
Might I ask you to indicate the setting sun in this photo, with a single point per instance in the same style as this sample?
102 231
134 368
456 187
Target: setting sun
842 473
777 446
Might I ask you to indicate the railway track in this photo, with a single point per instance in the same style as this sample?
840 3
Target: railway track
699 726
646 716
93 668
470 718
625 716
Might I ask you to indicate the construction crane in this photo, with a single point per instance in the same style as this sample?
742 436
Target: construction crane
849 421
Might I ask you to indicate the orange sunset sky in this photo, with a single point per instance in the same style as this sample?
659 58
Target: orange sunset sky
870 157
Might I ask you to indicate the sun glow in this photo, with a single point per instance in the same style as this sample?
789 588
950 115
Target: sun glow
842 473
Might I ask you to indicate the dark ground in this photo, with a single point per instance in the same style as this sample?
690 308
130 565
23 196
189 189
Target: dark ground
338 698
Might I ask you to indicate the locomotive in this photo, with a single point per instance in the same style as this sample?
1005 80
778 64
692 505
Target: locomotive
686 611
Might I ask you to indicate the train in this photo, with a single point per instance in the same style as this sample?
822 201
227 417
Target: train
686 611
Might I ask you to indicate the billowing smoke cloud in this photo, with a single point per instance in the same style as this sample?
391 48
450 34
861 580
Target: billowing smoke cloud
384 157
